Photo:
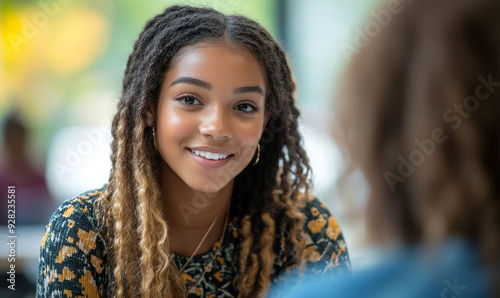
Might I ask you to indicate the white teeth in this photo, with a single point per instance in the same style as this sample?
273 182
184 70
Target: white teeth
210 155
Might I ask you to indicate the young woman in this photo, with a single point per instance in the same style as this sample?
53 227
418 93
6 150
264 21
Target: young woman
208 195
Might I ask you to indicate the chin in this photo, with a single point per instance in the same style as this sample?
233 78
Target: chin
208 187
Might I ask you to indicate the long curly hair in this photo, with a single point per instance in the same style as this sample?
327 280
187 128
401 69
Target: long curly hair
265 197
421 123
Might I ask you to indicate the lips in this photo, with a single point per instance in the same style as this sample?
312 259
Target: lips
210 157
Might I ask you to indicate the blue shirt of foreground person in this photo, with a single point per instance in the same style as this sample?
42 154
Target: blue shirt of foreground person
452 271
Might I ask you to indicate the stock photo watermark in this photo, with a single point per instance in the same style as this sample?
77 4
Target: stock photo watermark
11 237
75 155
455 288
454 116
363 36
32 25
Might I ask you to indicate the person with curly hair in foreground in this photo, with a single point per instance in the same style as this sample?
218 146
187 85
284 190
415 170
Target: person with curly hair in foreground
419 118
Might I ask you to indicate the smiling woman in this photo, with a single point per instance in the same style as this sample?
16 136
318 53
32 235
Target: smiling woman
211 103
199 203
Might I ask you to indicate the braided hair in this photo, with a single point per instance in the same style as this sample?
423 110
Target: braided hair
131 206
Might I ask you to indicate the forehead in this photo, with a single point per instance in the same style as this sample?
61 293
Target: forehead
217 60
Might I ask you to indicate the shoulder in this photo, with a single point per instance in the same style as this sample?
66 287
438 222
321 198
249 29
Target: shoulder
73 252
76 219
326 248
318 219
81 208
314 210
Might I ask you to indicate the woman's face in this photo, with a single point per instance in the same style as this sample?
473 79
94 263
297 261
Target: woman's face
210 115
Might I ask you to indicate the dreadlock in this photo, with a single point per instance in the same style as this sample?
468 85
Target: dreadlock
131 206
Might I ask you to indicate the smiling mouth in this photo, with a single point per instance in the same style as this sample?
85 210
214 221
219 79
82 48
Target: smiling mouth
210 155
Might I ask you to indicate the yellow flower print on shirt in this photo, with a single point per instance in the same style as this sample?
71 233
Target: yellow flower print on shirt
87 240
312 255
89 285
315 226
67 274
69 211
314 211
65 252
333 230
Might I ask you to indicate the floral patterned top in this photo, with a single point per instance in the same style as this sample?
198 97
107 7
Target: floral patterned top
73 253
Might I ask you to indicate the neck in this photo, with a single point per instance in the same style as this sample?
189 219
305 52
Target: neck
190 214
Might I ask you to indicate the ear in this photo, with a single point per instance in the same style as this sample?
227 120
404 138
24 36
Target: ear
150 117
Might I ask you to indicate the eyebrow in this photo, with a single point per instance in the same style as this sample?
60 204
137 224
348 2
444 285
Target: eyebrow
208 86
249 89
192 81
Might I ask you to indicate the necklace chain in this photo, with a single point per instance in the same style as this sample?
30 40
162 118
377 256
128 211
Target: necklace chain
217 252
199 244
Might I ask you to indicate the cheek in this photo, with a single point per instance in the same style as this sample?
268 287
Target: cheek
173 126
168 117
249 138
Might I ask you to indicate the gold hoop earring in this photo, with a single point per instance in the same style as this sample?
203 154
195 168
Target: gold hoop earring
154 137
258 156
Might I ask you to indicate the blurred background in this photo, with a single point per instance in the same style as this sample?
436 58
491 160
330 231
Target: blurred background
61 69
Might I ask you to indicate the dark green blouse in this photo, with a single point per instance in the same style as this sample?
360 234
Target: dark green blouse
73 253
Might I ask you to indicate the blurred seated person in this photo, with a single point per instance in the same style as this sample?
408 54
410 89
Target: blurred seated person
34 204
420 117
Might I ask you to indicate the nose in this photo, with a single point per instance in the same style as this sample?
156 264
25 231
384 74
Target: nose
216 124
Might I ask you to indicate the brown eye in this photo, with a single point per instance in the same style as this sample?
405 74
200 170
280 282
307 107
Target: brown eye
189 100
247 108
